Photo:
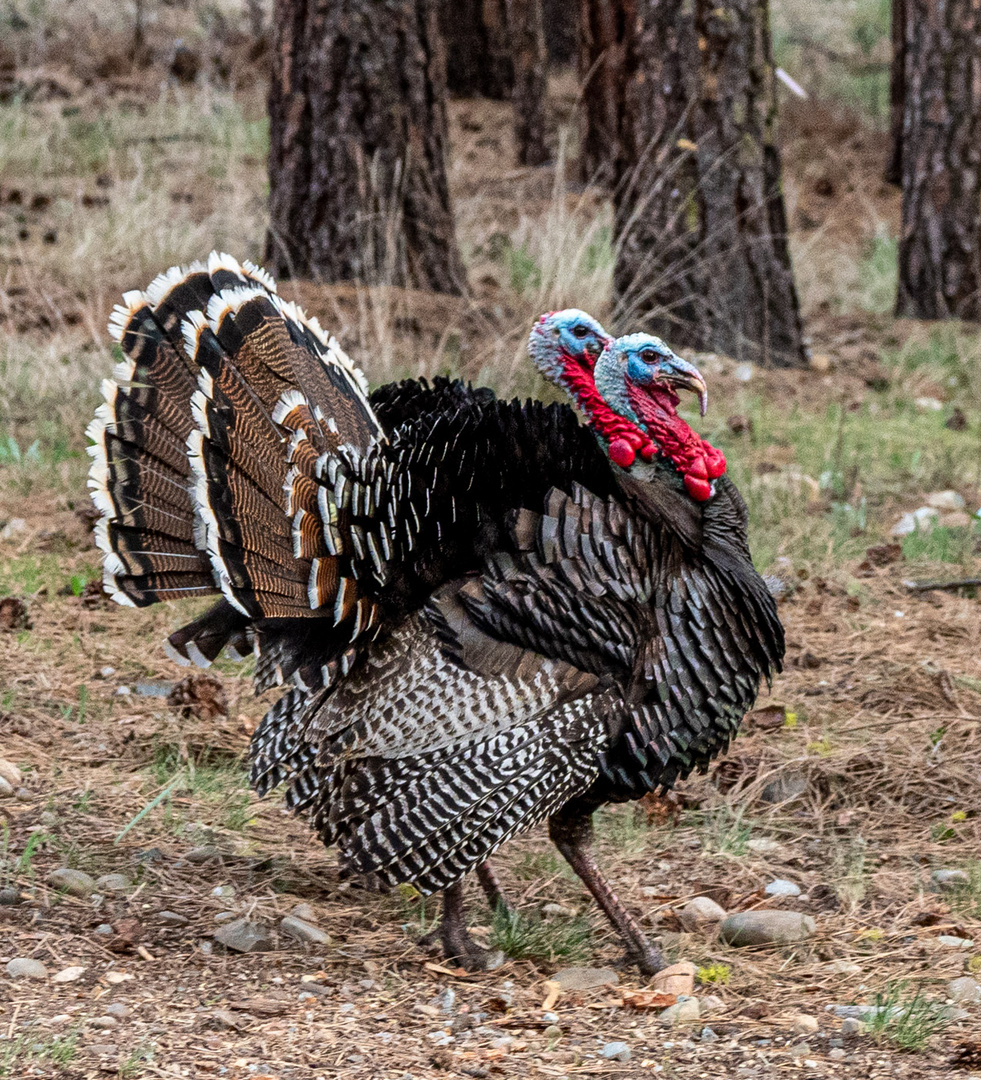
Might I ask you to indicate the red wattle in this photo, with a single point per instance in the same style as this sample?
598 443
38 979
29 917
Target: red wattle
622 453
698 489
715 461
697 469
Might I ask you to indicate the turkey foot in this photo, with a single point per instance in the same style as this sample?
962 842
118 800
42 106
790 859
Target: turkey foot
458 946
571 830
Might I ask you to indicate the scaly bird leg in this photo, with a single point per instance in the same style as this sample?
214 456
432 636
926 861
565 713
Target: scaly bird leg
571 830
492 888
458 945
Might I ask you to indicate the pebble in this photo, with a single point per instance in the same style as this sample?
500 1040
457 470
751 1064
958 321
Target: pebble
118 1010
782 887
762 845
701 912
965 990
708 1035
616 1051
113 883
676 979
226 916
303 931
948 880
805 1025
15 527
923 518
843 967
552 1032
711 1003
743 372
584 978
787 786
836 1054
446 1000
21 967
171 918
103 1022
945 500
764 927
682 1012
304 912
245 936
73 882
69 974
101 1049
6 791
949 942
10 773
558 910
203 854
223 892
104 928
9 897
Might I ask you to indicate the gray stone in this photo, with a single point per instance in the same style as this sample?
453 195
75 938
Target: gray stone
171 918
103 1021
73 882
303 931
923 518
805 1024
949 942
616 1051
113 883
965 990
782 887
949 880
684 1011
558 910
9 897
843 967
708 1035
304 912
105 929
23 967
6 791
203 854
245 936
11 773
584 978
766 928
785 787
836 1054
709 1004
14 528
700 913
118 1010
945 500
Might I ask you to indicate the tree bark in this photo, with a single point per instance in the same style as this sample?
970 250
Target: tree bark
358 143
897 93
527 35
561 23
940 238
701 229
601 57
478 51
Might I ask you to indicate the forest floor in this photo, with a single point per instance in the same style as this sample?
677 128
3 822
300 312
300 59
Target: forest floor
856 779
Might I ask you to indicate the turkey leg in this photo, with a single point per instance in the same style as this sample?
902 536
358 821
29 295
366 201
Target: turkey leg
571 830
492 887
457 943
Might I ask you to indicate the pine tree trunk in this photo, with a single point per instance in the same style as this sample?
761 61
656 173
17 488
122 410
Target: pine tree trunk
358 143
940 239
478 51
897 93
527 35
602 34
701 229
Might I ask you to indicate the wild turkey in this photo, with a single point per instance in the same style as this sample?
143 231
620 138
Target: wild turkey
486 623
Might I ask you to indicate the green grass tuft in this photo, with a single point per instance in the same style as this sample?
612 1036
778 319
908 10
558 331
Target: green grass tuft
906 1021
524 938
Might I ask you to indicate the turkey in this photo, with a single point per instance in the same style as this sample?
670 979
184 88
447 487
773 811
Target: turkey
489 615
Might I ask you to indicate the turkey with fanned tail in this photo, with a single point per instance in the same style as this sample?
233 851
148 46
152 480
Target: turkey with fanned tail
489 614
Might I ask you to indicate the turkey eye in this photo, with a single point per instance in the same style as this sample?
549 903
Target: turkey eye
579 332
649 356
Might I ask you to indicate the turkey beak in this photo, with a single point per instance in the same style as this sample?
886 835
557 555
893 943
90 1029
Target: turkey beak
679 372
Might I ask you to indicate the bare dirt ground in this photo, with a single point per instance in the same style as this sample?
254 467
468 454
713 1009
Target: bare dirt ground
857 778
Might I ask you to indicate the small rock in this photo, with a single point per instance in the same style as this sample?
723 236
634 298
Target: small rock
9 897
101 1049
923 518
69 974
113 883
6 791
805 1025
950 942
104 928
743 372
708 1035
929 404
762 845
676 979
945 500
956 519
782 887
73 882
948 880
23 795
701 912
223 892
851 1025
107 672
552 1032
616 1051
558 911
171 918
766 928
584 978
966 991
304 912
709 1004
682 1012
303 931
104 1022
22 967
243 935
118 1010
843 967
10 773
446 1000
198 855
14 529
226 916
836 1054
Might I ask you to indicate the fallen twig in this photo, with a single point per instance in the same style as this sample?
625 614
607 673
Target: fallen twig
957 583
